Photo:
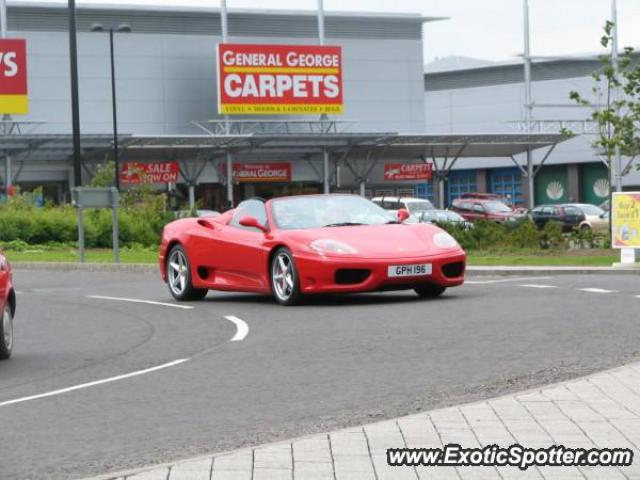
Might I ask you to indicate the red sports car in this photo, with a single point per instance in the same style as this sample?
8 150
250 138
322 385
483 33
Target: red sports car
294 246
7 308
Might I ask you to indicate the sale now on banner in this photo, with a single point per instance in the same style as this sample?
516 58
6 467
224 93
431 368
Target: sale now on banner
13 76
408 171
625 220
262 172
136 173
279 79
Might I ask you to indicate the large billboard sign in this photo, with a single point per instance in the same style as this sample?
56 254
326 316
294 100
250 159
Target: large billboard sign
625 220
262 172
136 173
13 76
408 171
279 79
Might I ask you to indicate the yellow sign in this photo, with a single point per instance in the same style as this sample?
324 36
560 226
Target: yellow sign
625 220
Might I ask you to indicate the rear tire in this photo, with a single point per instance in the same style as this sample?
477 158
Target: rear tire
285 283
6 332
179 277
429 290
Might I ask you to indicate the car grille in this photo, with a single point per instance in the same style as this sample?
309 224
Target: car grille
350 276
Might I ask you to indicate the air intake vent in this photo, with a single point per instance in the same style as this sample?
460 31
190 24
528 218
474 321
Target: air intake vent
351 276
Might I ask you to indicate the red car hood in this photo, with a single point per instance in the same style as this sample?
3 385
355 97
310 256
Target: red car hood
379 241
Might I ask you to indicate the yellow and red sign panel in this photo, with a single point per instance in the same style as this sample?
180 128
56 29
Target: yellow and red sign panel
13 76
279 79
262 172
625 220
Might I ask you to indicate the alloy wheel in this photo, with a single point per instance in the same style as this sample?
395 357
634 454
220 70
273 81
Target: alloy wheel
178 270
7 328
282 276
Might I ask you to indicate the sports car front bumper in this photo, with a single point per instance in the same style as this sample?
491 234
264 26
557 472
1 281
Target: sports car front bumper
332 274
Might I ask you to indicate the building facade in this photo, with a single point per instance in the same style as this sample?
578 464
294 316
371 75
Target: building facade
166 79
491 98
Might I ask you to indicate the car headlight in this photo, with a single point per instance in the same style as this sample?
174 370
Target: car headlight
444 240
326 246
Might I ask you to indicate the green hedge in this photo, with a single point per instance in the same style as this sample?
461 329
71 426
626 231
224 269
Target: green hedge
523 234
140 221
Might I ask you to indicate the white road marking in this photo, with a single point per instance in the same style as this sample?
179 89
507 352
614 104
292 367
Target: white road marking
93 384
533 285
18 292
597 290
241 326
137 300
503 280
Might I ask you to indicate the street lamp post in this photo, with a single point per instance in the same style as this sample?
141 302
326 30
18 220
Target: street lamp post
120 28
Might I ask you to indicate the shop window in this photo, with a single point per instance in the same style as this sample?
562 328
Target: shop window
507 183
461 182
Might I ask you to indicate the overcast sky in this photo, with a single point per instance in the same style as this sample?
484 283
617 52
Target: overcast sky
488 29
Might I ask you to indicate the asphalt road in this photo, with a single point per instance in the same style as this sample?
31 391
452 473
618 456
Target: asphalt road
334 362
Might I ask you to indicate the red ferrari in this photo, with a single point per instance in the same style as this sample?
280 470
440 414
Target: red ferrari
7 308
294 246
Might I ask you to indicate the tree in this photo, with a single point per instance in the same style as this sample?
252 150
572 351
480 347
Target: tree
105 175
617 117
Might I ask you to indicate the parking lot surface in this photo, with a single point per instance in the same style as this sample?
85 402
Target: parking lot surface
109 374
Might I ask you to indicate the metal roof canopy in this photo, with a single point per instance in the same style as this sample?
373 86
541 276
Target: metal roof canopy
402 145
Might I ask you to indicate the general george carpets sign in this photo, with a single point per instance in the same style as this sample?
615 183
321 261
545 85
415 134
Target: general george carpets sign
136 173
408 171
279 79
262 172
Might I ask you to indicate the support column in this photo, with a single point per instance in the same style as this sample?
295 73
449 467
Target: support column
441 187
7 172
192 196
530 181
362 188
325 171
229 165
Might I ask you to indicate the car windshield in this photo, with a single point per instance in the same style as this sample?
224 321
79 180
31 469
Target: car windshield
419 206
591 210
497 207
317 211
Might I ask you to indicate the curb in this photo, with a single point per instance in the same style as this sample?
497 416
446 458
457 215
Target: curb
471 271
85 267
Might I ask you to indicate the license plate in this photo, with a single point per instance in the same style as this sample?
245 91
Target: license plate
409 270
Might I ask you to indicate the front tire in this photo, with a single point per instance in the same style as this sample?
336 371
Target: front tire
429 290
6 332
179 277
285 283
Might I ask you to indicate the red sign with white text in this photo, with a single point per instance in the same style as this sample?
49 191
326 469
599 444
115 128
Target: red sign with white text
279 79
13 76
136 173
408 171
262 172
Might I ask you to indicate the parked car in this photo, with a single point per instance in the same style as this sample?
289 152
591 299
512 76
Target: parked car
415 206
7 308
290 247
605 206
494 196
569 216
593 215
484 209
443 216
600 224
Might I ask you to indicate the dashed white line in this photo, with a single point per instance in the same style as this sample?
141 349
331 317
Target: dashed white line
533 285
241 326
137 300
93 384
597 290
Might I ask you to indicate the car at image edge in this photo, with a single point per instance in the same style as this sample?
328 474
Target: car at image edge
293 246
7 308
489 209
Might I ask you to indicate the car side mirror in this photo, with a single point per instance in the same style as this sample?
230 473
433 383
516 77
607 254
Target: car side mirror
252 222
402 215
